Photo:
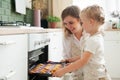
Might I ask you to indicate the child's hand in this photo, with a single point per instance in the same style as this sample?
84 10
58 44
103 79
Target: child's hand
65 60
58 73
49 61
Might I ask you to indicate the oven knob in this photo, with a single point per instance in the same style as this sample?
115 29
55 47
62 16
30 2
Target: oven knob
37 43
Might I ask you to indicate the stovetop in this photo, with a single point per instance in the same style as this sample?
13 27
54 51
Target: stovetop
16 23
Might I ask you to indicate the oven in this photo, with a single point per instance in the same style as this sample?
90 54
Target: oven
37 53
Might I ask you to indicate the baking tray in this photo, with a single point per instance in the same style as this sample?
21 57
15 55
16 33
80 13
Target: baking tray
46 69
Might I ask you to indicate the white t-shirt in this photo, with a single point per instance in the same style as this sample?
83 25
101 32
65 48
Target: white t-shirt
95 68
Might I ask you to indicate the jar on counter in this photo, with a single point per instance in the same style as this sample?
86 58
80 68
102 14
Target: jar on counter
118 25
110 24
114 26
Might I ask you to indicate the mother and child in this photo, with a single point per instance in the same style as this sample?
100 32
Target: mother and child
83 43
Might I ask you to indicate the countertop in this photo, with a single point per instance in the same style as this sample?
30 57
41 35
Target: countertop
26 30
112 29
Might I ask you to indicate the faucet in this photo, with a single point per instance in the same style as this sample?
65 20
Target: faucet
18 23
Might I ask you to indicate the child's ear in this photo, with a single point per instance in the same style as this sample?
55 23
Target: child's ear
92 21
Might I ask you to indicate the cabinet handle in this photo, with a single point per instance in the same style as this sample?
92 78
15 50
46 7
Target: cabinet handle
7 43
3 78
9 75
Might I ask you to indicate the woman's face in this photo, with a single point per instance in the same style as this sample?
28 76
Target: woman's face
72 24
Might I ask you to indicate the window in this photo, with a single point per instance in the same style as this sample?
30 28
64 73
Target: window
84 3
108 5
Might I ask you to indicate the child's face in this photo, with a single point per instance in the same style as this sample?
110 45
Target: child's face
72 24
86 23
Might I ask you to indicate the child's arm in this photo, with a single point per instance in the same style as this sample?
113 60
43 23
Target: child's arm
73 59
70 60
75 65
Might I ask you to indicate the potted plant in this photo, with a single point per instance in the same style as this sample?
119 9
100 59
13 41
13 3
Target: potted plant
53 21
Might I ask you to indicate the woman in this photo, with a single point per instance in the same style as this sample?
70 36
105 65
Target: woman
72 37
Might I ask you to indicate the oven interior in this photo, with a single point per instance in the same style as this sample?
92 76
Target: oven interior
35 57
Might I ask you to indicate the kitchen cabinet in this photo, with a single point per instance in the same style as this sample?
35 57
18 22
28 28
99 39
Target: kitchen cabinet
13 57
55 48
20 6
29 4
112 53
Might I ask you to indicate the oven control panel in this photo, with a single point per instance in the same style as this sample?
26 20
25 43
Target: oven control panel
37 41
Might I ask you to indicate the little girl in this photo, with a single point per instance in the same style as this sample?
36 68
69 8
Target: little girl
92 60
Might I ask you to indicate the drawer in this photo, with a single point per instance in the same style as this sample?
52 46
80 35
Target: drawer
38 40
112 35
113 43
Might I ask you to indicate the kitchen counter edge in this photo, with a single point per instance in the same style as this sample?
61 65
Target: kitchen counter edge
12 31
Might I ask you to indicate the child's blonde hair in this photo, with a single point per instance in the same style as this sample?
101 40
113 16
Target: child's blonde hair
94 12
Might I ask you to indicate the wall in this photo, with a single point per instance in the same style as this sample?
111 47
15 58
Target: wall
7 12
59 5
56 7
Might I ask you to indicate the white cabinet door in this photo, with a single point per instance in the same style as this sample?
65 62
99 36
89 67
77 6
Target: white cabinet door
112 53
112 36
13 57
55 46
55 49
112 56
